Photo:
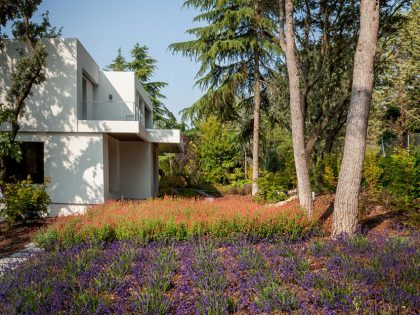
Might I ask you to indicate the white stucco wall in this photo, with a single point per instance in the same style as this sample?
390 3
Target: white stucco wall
74 163
53 105
87 166
121 86
136 169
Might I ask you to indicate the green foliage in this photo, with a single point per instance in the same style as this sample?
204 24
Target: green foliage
271 188
273 161
24 200
396 98
393 181
231 36
172 182
119 63
8 147
77 230
217 152
331 169
28 69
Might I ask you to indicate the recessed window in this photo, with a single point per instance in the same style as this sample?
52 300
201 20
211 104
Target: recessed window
32 163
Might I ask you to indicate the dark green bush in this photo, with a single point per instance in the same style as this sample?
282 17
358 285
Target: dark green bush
172 182
271 188
24 200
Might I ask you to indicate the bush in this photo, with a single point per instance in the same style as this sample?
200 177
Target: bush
271 188
240 187
172 182
24 200
392 181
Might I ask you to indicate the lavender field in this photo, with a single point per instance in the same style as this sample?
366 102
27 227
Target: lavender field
375 275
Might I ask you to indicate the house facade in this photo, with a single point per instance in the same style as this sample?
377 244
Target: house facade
89 131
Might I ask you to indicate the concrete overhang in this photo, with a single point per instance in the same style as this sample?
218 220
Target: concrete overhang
112 126
169 140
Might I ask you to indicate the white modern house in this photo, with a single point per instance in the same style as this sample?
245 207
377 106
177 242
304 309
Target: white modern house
90 131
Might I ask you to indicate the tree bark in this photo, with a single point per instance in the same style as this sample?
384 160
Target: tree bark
256 132
345 219
296 106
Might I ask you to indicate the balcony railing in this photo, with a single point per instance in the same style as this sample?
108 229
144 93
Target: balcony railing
112 110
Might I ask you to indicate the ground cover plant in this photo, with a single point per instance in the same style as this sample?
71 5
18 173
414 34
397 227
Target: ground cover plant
364 275
175 219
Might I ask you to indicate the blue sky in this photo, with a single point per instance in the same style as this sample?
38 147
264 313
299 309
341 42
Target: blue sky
105 25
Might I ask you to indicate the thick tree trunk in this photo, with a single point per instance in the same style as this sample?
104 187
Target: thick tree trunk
345 220
256 132
297 114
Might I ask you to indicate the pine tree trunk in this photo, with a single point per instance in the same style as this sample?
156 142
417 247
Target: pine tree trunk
297 115
256 132
345 220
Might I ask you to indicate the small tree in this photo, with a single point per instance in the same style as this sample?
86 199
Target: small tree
217 152
28 71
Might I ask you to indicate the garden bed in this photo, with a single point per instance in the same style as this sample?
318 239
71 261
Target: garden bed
208 276
14 237
176 219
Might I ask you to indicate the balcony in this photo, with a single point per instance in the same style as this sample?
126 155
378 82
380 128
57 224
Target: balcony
112 111
118 117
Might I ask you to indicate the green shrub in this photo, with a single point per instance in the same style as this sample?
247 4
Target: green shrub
172 182
401 177
24 200
240 187
328 181
392 181
271 188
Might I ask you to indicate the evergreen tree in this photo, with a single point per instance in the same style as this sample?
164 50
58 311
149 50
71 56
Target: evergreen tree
218 153
144 67
119 63
235 49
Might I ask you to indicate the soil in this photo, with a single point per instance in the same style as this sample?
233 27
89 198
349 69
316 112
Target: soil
13 238
377 221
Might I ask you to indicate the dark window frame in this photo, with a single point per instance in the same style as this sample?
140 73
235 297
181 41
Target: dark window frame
32 163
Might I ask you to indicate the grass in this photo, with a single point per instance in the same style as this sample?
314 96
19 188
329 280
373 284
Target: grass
174 219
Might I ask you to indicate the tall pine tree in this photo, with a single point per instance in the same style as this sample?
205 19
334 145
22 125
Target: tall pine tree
236 52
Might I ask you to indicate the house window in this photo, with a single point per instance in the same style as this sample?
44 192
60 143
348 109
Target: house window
84 98
32 163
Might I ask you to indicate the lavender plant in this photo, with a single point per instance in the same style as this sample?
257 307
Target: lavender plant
374 275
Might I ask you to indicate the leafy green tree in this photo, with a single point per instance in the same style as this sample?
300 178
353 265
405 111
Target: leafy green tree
218 153
396 97
236 52
29 69
144 67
